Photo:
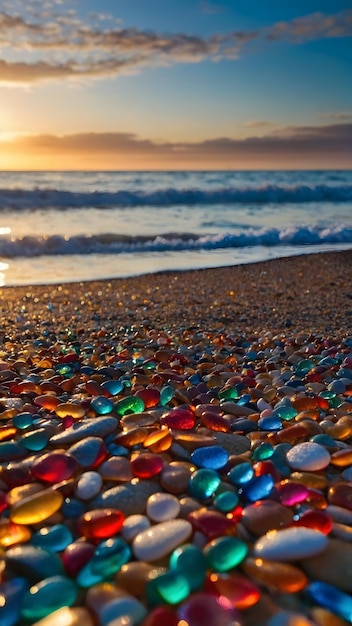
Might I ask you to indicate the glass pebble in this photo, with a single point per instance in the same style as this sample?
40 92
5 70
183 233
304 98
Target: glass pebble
101 405
271 423
166 394
203 483
179 419
113 386
54 467
263 452
241 474
35 440
190 561
258 488
224 553
130 404
169 587
76 555
109 556
201 608
210 457
22 420
239 590
47 596
55 538
226 501
100 523
146 465
11 592
283 577
331 598
36 508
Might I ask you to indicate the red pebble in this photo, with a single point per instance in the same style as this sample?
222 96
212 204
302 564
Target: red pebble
146 465
292 493
202 609
161 616
54 467
215 422
150 397
317 520
96 390
341 495
212 523
179 419
238 589
267 467
47 402
3 503
76 555
100 523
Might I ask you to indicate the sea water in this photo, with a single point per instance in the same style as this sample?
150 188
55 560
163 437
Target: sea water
74 226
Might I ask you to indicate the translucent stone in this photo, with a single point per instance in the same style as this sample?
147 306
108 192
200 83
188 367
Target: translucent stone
241 474
202 608
212 523
224 553
100 523
22 420
166 394
76 555
239 590
146 465
12 534
11 592
258 488
130 404
331 598
47 596
113 386
171 587
35 440
34 562
226 501
190 561
283 577
54 467
210 457
158 441
55 538
179 419
203 483
77 411
101 405
37 507
67 616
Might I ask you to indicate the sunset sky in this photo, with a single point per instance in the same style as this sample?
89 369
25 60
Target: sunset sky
175 84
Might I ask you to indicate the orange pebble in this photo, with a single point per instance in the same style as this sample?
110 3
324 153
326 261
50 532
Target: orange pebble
280 576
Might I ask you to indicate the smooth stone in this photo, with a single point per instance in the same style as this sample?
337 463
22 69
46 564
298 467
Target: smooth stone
33 562
308 456
116 469
333 565
290 544
90 427
133 525
88 485
130 498
210 457
339 514
126 607
233 444
175 476
162 507
88 451
260 517
159 540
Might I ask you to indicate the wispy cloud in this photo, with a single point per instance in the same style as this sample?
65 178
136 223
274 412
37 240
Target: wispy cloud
259 124
339 116
45 41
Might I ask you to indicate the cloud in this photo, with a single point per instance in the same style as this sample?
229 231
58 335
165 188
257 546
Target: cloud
49 42
339 116
314 26
291 144
259 123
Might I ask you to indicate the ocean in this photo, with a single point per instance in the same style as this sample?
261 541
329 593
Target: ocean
75 226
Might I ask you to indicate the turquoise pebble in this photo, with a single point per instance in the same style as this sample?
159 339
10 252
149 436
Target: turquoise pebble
259 488
241 474
12 450
35 440
109 556
324 440
304 366
203 483
22 420
245 399
191 562
113 386
226 501
166 394
263 452
120 611
55 538
224 553
101 405
210 457
48 595
331 598
171 587
285 412
130 404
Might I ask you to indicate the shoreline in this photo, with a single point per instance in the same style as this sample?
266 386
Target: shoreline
307 293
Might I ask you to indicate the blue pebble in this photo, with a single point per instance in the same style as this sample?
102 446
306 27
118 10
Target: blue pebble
11 591
113 386
241 474
210 457
331 598
259 488
102 405
270 423
324 440
55 538
71 507
243 400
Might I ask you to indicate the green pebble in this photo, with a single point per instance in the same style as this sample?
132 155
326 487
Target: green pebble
128 405
263 452
224 553
171 587
35 440
203 483
230 393
166 394
191 562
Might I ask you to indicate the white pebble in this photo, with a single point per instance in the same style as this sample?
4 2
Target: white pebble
134 524
88 485
161 539
308 457
290 544
162 507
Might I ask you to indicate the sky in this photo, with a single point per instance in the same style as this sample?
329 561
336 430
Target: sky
165 84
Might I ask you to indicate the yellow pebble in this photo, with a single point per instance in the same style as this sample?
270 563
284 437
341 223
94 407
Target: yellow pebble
68 408
12 534
67 617
37 507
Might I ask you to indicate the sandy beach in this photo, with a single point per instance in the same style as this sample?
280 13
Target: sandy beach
142 416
